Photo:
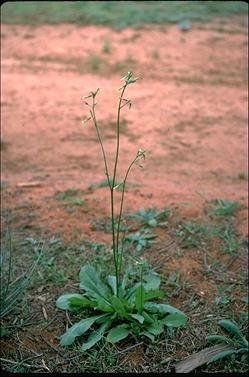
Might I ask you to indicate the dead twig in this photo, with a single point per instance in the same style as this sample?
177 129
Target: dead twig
197 359
128 349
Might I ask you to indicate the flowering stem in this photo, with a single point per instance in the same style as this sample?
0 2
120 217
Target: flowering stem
120 215
111 182
92 112
115 244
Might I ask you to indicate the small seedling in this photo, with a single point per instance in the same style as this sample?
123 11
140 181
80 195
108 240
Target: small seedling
106 49
236 339
150 216
95 63
191 234
63 195
142 239
226 208
241 175
223 297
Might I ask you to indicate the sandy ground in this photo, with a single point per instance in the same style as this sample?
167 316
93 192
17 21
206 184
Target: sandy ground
189 114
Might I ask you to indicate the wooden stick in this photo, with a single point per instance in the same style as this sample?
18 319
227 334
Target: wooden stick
200 358
128 349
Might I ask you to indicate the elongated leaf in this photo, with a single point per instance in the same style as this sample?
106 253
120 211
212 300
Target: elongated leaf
161 308
155 293
155 328
153 281
231 327
221 355
138 317
77 329
112 282
91 283
211 338
175 320
76 302
118 333
65 301
118 306
131 293
96 335
140 298
125 279
148 318
149 335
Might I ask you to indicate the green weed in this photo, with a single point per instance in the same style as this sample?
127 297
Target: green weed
225 208
224 295
141 239
12 287
106 49
132 312
94 62
195 235
150 216
63 195
121 307
238 342
241 175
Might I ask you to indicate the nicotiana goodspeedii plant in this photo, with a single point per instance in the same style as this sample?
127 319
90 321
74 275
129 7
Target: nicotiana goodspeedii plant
122 306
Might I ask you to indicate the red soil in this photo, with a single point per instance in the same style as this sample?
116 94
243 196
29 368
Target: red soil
189 114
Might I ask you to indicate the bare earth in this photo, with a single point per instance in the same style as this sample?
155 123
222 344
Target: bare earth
189 114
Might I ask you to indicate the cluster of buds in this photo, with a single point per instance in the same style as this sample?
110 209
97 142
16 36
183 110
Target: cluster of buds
141 155
91 95
128 79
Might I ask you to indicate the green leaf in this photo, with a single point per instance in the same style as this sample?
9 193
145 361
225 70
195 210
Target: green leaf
153 281
77 303
161 308
131 293
78 329
91 283
125 279
118 306
112 282
138 317
211 338
147 317
231 327
175 320
63 301
149 335
155 328
152 222
155 293
118 333
221 355
139 298
96 335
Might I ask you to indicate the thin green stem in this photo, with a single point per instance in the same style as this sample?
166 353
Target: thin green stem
115 236
110 184
115 245
118 132
121 211
92 112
